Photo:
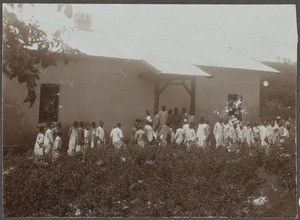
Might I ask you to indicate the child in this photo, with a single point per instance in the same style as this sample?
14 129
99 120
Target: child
87 135
72 138
93 135
39 148
139 137
48 140
56 147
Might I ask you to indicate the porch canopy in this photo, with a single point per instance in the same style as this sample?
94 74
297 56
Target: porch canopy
173 62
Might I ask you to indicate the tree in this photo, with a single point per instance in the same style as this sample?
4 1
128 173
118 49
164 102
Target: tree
27 49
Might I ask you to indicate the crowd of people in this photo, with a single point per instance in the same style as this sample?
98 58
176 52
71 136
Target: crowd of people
163 128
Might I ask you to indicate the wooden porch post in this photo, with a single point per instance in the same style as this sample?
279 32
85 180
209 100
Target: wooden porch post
156 95
193 94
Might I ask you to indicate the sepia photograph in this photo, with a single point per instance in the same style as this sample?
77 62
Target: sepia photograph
149 110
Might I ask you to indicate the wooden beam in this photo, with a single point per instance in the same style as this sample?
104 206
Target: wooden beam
193 95
156 95
186 88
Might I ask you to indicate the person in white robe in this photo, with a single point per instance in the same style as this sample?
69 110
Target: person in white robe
48 140
149 132
179 136
39 143
256 134
72 138
117 137
100 135
165 134
140 137
263 132
56 147
163 115
93 134
218 132
201 133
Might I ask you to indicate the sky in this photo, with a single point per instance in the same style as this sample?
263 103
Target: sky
263 32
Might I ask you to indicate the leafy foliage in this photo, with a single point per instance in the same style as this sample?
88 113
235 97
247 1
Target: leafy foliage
27 48
279 97
154 181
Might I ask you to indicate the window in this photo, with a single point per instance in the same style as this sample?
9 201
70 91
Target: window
235 106
49 102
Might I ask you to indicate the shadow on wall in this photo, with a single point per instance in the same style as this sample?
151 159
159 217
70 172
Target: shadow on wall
16 129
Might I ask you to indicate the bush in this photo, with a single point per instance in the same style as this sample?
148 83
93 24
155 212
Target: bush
154 181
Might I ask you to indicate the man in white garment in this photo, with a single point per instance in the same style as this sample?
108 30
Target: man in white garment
179 136
272 133
202 133
149 132
186 126
163 115
100 135
191 117
263 132
48 139
218 132
117 137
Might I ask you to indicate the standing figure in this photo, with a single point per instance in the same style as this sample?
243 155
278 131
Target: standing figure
218 132
139 137
201 133
248 134
148 116
100 135
191 117
56 147
56 129
163 115
134 129
272 133
190 135
155 122
165 134
117 137
93 135
39 143
179 136
80 137
72 138
149 132
170 117
87 135
263 131
48 140
176 120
